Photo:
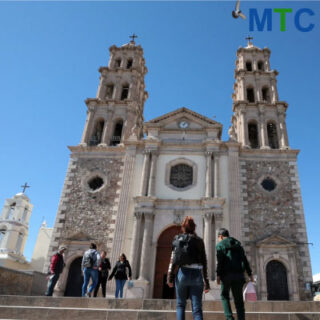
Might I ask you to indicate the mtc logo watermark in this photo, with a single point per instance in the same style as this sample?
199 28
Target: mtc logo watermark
266 19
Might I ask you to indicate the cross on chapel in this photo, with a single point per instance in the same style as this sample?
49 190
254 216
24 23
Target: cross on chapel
24 187
133 37
249 38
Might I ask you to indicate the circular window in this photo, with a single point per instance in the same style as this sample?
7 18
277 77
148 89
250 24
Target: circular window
95 183
181 175
268 184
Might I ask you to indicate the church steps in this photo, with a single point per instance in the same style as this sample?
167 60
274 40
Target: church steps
52 313
68 308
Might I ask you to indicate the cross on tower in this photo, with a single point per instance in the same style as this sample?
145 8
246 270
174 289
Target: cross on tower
133 37
249 38
24 187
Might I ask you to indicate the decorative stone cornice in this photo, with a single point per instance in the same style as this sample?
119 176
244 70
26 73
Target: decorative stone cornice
99 148
212 204
276 154
243 104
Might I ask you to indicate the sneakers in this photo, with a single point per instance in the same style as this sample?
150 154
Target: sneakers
88 295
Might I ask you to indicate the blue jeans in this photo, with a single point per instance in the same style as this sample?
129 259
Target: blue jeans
189 284
51 284
119 287
87 274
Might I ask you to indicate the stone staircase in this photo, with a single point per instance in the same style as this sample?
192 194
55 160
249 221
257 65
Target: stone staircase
24 307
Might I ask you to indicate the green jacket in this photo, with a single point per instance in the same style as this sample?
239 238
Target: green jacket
231 258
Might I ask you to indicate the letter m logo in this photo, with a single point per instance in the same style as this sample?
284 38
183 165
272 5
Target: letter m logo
266 18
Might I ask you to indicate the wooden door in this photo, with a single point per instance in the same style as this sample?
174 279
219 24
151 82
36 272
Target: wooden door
277 282
161 289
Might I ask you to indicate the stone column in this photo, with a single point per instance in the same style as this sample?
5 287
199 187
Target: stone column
216 176
209 175
258 91
208 240
263 130
274 97
145 173
283 131
152 178
101 94
243 89
244 128
135 244
87 126
235 213
107 131
146 245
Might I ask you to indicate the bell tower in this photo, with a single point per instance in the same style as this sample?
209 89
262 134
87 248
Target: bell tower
116 114
259 117
14 226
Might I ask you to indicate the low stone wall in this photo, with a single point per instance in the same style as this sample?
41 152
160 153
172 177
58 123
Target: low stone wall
26 283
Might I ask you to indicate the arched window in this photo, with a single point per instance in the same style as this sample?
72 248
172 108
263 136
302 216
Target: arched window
260 66
11 211
117 63
2 235
109 91
125 92
249 66
265 94
19 242
277 281
129 63
250 95
97 133
181 175
253 135
116 137
272 135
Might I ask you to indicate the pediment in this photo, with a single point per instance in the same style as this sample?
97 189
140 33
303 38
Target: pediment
195 120
80 236
275 241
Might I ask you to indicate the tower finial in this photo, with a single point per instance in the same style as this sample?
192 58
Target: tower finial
132 38
24 187
249 38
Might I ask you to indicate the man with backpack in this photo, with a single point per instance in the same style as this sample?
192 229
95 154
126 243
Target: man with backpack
90 264
231 265
56 267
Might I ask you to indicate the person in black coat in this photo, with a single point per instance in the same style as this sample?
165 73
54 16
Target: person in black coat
103 269
120 273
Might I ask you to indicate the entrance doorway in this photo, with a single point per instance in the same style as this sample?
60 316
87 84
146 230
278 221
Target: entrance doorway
277 282
75 279
161 289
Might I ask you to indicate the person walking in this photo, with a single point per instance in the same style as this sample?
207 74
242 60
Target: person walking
189 255
231 265
56 267
103 270
89 266
120 273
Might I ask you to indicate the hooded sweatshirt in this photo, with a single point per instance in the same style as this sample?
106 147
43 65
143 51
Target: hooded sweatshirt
231 258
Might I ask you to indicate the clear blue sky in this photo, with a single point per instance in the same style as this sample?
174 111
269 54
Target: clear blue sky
49 59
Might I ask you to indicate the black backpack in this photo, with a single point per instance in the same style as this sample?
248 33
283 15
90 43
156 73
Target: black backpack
185 249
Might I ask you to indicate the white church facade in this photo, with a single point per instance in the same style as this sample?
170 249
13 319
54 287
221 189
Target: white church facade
130 183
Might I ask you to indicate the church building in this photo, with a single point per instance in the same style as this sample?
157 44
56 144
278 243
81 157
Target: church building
130 183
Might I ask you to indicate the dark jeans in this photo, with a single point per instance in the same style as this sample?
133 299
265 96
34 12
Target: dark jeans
235 283
103 282
87 274
51 284
119 288
189 283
